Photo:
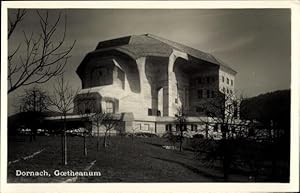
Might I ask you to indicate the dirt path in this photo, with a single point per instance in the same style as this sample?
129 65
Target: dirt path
74 179
26 157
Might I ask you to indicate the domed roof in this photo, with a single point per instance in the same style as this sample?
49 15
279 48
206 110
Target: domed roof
136 46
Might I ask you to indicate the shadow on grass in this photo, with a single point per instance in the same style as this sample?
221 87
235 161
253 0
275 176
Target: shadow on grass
154 144
161 146
193 169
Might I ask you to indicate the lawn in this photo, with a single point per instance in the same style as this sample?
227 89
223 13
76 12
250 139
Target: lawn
126 159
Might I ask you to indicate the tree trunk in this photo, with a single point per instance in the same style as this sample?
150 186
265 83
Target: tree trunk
62 148
104 140
31 136
98 137
65 149
181 138
84 145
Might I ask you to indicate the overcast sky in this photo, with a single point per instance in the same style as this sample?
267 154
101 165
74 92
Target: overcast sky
254 42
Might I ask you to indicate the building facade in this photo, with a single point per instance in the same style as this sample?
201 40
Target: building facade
151 78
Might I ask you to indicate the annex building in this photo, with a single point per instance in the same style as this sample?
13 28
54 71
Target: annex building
145 79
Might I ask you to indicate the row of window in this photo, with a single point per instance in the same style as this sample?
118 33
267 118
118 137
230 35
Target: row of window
211 79
226 90
194 127
227 80
206 80
108 107
216 128
152 112
199 109
202 93
223 128
146 127
202 110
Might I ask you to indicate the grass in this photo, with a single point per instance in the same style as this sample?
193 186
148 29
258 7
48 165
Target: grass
126 159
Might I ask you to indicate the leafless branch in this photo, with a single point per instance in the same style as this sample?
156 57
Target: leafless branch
13 23
63 96
44 56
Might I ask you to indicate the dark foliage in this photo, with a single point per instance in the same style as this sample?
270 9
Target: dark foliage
269 106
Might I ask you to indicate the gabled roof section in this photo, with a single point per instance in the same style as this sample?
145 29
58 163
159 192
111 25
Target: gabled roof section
191 51
195 53
225 67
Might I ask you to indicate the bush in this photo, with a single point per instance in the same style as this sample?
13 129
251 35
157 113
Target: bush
198 136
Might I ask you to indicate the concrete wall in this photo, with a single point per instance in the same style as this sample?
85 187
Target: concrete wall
203 90
182 88
143 126
102 130
157 80
226 82
173 74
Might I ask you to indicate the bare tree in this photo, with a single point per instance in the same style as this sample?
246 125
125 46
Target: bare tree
181 125
110 121
222 117
86 108
97 120
34 99
19 16
85 116
62 100
43 57
33 103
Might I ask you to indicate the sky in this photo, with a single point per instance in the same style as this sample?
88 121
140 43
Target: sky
254 42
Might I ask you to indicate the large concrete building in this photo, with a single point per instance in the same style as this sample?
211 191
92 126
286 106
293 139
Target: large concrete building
149 78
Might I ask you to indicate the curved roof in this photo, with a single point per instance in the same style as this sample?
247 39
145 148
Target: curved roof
137 46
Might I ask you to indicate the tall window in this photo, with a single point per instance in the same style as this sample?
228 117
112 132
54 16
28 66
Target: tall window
223 79
200 94
199 80
199 110
235 106
158 113
177 127
109 107
227 80
87 111
208 93
207 79
150 112
169 127
212 94
231 82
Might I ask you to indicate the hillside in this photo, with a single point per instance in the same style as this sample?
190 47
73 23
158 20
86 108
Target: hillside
273 106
